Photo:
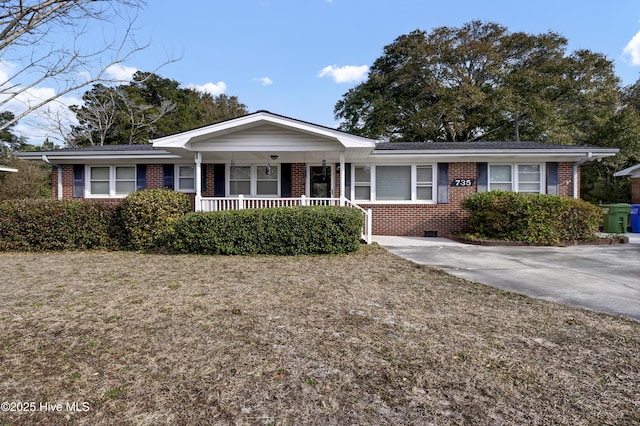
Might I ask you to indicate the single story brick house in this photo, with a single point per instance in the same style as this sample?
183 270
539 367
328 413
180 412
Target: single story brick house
634 173
268 160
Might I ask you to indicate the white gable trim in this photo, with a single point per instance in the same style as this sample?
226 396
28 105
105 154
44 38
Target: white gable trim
185 139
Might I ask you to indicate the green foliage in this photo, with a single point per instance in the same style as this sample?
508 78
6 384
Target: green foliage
148 216
149 107
531 218
47 224
480 81
33 180
279 231
9 141
622 130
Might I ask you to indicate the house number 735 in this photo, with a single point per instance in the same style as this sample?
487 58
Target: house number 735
462 182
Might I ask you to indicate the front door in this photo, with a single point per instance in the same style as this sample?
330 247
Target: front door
320 179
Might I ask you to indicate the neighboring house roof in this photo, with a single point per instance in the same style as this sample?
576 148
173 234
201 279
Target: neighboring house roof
8 169
633 171
263 134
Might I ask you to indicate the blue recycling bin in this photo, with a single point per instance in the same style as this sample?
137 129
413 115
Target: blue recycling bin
634 217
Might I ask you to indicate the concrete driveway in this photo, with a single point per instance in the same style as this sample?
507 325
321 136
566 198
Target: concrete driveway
602 278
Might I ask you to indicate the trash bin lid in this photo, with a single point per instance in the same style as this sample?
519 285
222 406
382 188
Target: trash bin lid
619 208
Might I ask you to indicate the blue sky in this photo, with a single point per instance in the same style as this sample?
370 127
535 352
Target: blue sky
298 57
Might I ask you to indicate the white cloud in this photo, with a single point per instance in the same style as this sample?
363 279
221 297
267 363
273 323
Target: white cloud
6 68
346 74
120 72
633 49
265 81
45 121
214 89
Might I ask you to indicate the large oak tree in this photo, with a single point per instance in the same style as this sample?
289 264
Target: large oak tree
481 82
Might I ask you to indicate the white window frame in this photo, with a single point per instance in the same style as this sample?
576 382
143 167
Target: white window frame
176 175
253 178
112 180
426 184
354 183
541 183
414 184
515 183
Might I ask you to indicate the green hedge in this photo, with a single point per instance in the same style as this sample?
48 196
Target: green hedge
530 218
279 231
146 217
47 224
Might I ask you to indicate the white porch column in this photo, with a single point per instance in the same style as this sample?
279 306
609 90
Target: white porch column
343 173
198 181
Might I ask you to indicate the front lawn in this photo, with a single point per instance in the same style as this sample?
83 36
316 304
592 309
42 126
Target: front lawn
366 338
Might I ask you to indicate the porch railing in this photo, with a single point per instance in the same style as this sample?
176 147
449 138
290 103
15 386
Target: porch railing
210 204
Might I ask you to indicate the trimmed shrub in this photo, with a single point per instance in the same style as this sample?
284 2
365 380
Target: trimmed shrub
278 231
530 218
147 216
47 224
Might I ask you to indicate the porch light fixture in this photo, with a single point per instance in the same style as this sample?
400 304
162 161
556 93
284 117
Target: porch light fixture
267 170
274 157
324 168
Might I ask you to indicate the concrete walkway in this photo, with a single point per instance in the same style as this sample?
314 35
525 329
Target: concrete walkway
602 278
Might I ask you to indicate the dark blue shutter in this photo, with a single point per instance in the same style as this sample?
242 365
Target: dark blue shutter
552 178
167 176
203 178
347 180
78 180
482 170
141 177
219 180
285 180
443 183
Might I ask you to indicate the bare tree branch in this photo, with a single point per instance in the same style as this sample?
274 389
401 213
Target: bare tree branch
28 31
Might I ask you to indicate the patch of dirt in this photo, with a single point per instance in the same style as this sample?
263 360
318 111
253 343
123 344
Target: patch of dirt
366 338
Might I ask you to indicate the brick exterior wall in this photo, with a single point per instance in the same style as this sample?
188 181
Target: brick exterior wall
413 220
155 178
67 183
210 178
298 180
388 219
565 179
635 191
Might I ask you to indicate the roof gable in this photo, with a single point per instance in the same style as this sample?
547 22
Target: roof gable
234 129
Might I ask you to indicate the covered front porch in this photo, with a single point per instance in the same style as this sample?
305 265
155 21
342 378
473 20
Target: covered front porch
265 160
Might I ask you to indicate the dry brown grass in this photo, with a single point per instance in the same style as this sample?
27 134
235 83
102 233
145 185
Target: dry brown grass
367 338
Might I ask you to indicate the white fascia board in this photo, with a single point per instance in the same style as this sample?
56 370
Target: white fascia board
632 171
113 155
564 155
